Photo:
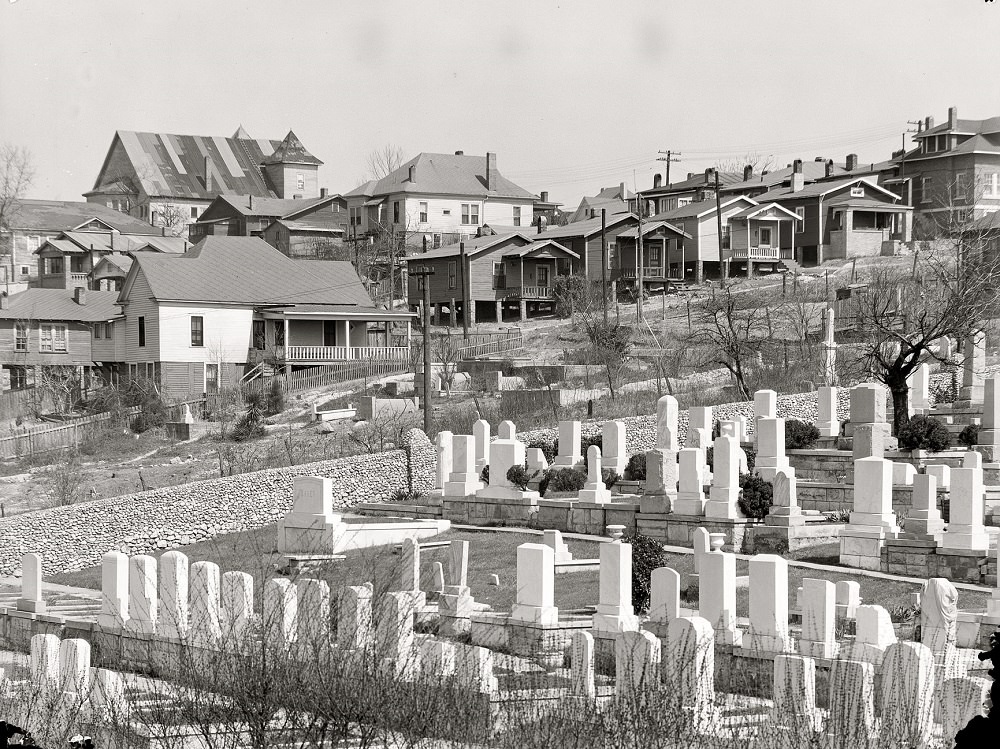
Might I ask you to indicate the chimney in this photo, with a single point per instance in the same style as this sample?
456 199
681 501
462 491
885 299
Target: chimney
798 180
297 196
4 300
413 172
208 174
80 295
928 123
323 192
491 171
748 172
460 153
709 175
622 191
538 221
852 162
251 202
657 180
112 238
819 158
690 175
545 196
952 118
829 168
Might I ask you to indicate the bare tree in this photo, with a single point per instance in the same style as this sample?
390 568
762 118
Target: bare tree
759 161
734 332
173 219
16 176
384 160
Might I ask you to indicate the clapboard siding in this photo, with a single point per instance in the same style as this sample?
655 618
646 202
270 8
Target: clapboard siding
141 304
78 345
227 333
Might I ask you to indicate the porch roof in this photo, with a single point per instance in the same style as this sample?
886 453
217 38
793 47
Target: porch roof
648 228
539 246
754 210
867 204
342 311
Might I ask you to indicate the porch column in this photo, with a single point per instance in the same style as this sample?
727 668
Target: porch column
436 311
451 314
409 333
749 249
524 310
794 226
472 311
500 311
288 343
343 336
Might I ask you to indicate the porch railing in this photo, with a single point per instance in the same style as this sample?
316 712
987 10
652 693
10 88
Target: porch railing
648 273
346 353
756 253
529 292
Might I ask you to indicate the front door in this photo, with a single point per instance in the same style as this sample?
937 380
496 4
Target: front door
542 273
329 333
765 236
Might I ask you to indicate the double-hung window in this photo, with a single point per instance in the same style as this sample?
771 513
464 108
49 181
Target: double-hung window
452 274
470 214
142 331
20 336
499 275
197 330
423 213
52 338
517 215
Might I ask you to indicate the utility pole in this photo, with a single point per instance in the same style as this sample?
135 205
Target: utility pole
669 157
718 224
423 275
604 262
638 262
902 156
465 291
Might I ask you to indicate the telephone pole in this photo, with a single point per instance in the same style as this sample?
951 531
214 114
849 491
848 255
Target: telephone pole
669 157
423 274
604 262
465 290
718 224
902 156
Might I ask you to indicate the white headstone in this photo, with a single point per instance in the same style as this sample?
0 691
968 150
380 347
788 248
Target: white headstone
614 609
394 636
581 682
907 694
280 610
664 595
700 417
443 451
142 604
535 458
458 564
828 423
667 415
769 604
989 433
993 605
717 595
354 618
690 488
463 480
795 694
942 473
535 596
554 540
960 700
974 367
114 589
725 489
868 404
873 494
206 605
903 474
852 704
938 614
920 389
966 529
765 406
700 542
848 598
481 434
31 584
172 618
74 671
785 510
924 518
506 430
770 447
504 454
594 490
637 662
613 448
689 668
569 445
873 634
819 617
237 606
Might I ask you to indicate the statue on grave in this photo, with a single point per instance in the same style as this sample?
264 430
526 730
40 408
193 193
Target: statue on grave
938 614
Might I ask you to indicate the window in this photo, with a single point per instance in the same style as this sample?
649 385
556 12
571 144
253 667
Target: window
52 338
98 326
942 143
683 201
354 216
653 253
300 182
54 265
542 275
153 218
857 192
470 214
18 378
21 336
194 211
212 378
259 335
423 213
961 185
437 241
517 215
142 331
612 251
25 270
800 212
727 232
395 212
452 274
765 236
499 275
420 283
197 330
279 332
76 265
109 331
926 186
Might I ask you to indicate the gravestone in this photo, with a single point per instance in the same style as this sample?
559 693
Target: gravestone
437 658
795 694
535 596
614 609
938 614
966 530
31 584
206 615
237 606
554 540
907 695
689 670
851 720
872 519
614 453
785 511
973 369
661 482
664 600
920 389
311 527
819 616
394 636
594 490
455 602
463 481
313 635
280 609
827 400
924 519
354 618
690 487
667 418
569 446
960 700
769 604
717 596
443 447
506 430
114 590
725 490
765 406
481 435
142 598
873 634
942 473
581 681
770 447
172 616
637 662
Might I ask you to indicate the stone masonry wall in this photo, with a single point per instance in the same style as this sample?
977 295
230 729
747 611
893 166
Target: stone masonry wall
77 536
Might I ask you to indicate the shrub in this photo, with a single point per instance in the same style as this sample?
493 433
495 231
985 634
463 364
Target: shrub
566 479
405 495
141 423
924 433
485 475
610 477
543 483
970 435
756 496
275 398
586 442
245 428
635 470
647 555
800 435
549 448
519 476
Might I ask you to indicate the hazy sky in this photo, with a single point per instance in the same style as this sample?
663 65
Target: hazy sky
571 96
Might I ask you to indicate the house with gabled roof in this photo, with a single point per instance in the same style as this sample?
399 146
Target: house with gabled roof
31 222
613 200
440 198
170 180
249 216
510 275
695 188
839 219
584 239
818 169
65 330
212 316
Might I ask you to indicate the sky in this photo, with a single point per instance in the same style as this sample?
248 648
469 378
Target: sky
572 96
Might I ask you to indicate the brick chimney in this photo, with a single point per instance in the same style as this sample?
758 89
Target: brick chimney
538 223
491 171
709 175
828 171
460 153
545 196
748 172
798 180
657 180
928 123
80 295
852 162
4 300
208 174
622 191
690 175
413 171
323 192
952 118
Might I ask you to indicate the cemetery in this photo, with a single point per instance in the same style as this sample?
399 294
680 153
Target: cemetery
730 635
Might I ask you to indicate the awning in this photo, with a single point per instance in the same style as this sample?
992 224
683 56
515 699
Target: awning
373 202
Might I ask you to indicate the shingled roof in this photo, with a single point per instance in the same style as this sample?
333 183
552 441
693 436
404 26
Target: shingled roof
291 151
59 304
174 165
247 271
66 215
442 174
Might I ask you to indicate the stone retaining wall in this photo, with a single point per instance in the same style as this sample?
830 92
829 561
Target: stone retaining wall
74 537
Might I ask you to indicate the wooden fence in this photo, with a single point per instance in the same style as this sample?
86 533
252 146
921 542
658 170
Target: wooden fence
483 344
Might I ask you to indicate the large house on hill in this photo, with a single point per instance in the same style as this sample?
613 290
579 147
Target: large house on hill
212 316
439 199
31 222
170 180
